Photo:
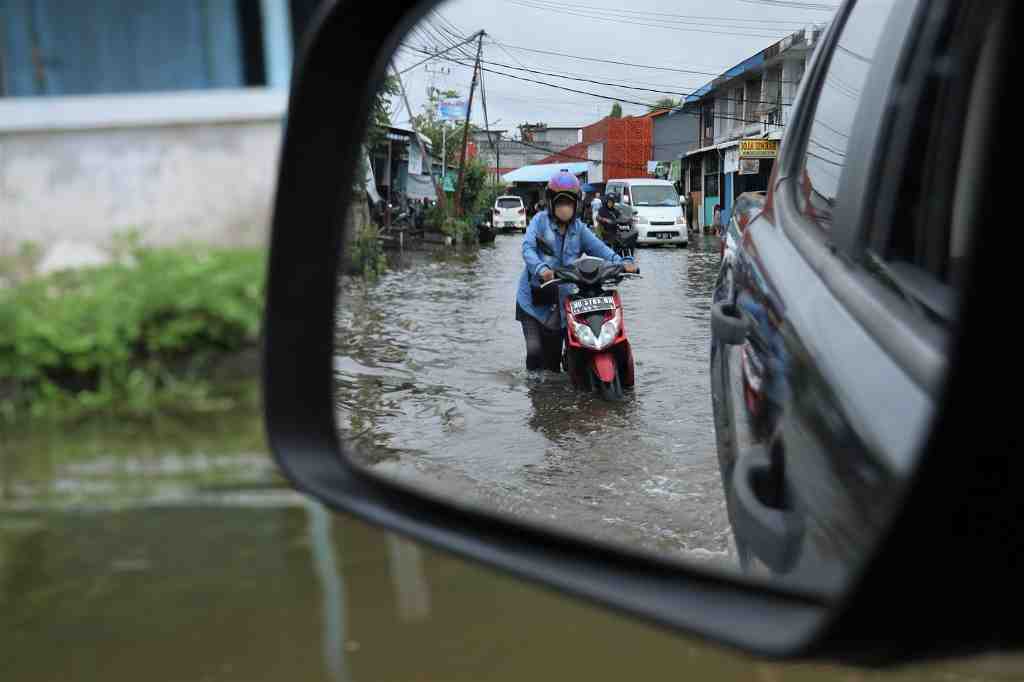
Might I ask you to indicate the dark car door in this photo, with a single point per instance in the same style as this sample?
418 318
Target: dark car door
818 420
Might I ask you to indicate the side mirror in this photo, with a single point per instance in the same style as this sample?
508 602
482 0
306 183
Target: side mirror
848 614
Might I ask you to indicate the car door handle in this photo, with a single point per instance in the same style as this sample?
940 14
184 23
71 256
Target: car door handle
764 520
729 323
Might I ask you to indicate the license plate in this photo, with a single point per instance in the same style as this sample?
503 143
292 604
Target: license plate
581 306
510 224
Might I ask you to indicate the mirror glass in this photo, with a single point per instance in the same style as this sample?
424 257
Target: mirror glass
717 406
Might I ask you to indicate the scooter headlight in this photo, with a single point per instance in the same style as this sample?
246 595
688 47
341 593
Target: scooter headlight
585 336
609 330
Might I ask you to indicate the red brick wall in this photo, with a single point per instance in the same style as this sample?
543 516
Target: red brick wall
628 147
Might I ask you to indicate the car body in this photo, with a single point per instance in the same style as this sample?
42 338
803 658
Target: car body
509 213
747 206
819 405
658 215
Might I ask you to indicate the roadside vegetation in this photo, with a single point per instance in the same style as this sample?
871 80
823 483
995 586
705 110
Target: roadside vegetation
158 330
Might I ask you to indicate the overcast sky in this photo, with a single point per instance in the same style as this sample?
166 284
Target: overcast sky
697 38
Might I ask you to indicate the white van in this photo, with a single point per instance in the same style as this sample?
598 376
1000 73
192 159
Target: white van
509 213
659 217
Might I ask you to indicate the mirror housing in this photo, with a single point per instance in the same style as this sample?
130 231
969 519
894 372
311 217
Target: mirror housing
970 502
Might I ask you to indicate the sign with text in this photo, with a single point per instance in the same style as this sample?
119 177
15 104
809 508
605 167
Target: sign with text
452 109
731 160
759 149
415 160
750 166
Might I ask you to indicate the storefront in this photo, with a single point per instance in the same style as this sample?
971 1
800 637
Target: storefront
712 186
746 167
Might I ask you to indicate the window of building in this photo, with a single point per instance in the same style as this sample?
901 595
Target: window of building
53 47
711 185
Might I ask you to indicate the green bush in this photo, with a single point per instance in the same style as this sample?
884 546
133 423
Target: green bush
127 337
461 230
368 257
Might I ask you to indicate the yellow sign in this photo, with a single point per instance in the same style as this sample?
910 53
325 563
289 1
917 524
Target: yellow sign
759 149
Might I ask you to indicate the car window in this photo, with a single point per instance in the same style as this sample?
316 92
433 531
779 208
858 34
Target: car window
655 195
920 252
826 144
510 203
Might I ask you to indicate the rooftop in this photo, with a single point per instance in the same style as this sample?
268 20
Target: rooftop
542 172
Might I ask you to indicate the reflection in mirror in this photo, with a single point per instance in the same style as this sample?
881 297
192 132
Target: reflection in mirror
507 340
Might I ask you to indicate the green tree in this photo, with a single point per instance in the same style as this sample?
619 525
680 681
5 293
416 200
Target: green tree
616 111
664 103
380 110
377 123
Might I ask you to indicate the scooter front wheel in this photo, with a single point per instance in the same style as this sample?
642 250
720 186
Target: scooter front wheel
609 390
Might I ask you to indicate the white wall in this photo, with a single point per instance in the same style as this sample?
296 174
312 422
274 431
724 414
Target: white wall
196 167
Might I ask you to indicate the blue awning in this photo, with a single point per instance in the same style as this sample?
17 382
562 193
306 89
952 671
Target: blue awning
543 172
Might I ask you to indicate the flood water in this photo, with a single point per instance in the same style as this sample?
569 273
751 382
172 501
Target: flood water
432 388
170 550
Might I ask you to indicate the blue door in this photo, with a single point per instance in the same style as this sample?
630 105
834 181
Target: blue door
727 198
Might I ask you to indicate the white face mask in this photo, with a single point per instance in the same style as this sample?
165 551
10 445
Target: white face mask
563 212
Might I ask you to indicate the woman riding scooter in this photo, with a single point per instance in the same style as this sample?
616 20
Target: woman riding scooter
555 237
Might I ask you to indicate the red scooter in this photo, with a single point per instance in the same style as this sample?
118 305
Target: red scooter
598 355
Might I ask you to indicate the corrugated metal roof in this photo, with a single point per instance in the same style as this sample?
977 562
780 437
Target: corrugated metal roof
542 172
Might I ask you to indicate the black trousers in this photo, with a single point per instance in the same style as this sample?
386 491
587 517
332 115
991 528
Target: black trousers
543 347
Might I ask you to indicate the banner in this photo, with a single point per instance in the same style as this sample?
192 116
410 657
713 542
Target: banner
452 109
759 149
750 166
415 159
731 160
420 187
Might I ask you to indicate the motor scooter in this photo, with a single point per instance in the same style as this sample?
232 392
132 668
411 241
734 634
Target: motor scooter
598 355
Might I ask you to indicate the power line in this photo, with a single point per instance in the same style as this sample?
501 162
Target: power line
793 5
615 85
619 63
634 12
584 15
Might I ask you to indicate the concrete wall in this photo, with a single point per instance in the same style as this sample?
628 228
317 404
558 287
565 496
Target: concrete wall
559 138
177 168
674 134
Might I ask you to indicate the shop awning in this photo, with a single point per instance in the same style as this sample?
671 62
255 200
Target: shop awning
543 172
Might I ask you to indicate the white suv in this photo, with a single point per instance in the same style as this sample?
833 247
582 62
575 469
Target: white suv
509 213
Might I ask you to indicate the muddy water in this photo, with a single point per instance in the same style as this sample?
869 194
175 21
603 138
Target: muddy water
169 550
432 388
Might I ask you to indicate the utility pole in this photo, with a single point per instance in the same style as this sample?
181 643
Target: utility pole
465 128
487 124
423 150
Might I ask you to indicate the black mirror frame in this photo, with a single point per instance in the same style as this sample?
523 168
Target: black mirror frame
915 599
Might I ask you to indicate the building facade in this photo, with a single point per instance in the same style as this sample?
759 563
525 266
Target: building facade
163 117
740 118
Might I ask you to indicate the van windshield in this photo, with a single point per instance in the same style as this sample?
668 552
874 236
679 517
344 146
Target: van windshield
654 195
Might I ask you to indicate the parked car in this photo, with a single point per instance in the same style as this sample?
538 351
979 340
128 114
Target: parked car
747 205
659 216
509 213
835 306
